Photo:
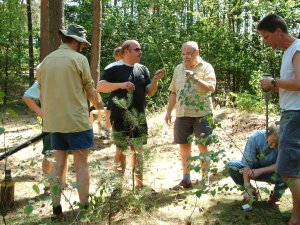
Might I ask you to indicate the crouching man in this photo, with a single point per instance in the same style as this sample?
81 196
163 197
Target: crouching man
258 163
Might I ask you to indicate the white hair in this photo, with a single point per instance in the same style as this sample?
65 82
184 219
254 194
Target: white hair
191 44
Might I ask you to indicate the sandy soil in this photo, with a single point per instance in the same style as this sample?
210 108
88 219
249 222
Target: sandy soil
162 171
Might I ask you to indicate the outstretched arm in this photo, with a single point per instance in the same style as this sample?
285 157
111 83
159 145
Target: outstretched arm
152 87
260 171
106 87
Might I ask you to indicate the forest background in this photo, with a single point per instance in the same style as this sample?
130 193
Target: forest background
225 31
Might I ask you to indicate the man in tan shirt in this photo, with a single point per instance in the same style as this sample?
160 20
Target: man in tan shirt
66 86
193 82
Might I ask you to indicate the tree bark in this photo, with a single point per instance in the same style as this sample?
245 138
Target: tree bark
30 43
56 22
96 40
44 31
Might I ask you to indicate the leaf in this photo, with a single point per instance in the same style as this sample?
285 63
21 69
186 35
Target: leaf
36 189
12 113
55 190
2 130
28 209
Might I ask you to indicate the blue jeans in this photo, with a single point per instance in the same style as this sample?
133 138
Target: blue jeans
288 160
234 168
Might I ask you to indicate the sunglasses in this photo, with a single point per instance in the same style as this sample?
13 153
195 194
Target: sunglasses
136 49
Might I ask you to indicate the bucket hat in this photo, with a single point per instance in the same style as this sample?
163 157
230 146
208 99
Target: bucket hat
77 32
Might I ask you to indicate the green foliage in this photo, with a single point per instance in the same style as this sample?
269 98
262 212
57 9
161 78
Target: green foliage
36 189
28 209
248 102
13 49
2 130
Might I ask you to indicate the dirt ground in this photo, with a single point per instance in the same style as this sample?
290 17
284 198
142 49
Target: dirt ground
162 171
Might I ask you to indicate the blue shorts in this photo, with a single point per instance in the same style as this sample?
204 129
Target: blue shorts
47 145
288 161
186 126
73 141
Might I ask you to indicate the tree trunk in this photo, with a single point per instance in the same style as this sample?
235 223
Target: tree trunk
30 43
56 21
44 31
96 40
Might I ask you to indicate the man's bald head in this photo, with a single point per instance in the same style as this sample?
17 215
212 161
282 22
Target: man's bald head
127 44
191 44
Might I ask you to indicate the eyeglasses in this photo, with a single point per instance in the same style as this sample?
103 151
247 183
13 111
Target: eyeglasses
188 54
136 49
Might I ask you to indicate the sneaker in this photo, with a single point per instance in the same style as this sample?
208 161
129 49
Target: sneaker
182 185
274 199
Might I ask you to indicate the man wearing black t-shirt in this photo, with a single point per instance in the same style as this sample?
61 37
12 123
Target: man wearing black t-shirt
128 79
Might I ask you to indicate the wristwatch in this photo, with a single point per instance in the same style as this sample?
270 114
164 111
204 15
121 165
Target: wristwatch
273 82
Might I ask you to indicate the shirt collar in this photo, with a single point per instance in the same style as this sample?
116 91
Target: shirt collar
65 46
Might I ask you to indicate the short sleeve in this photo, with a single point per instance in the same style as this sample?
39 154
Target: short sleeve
210 75
172 87
249 157
33 91
147 76
87 80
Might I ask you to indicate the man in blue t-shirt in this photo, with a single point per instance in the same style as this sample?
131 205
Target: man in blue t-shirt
258 163
129 83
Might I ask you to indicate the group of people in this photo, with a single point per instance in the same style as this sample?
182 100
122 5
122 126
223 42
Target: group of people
66 86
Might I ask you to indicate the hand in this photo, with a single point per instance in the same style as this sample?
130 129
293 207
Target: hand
266 83
254 173
190 75
159 74
100 105
128 86
40 113
168 118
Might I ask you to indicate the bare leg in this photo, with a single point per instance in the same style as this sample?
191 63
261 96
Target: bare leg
91 117
137 164
99 119
64 173
107 120
57 173
185 153
120 162
82 174
294 186
204 164
46 166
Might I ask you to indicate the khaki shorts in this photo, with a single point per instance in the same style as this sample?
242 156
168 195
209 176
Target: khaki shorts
187 126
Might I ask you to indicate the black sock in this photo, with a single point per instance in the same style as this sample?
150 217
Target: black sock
57 209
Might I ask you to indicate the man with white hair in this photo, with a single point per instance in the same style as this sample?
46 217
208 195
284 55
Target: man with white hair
193 82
